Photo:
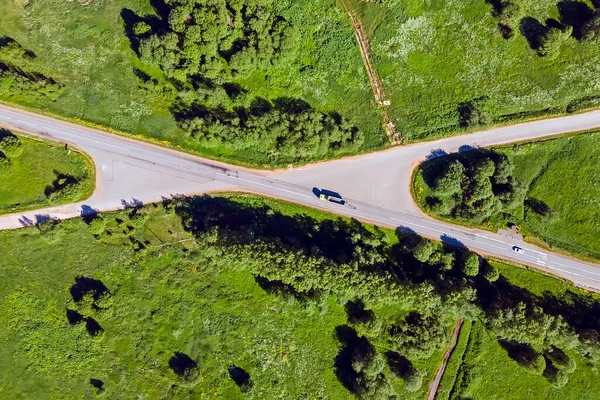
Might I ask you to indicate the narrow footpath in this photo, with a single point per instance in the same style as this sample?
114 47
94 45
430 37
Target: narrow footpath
380 100
434 385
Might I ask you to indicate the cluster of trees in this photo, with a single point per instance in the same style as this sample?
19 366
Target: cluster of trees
290 129
577 19
360 367
64 186
204 47
17 76
216 39
433 283
473 186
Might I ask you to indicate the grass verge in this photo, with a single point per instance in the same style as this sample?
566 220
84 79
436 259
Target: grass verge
44 174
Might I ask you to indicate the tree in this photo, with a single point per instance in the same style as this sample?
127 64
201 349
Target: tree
504 171
4 162
490 273
405 370
591 29
417 336
484 167
423 250
552 40
97 226
141 28
560 360
470 265
450 181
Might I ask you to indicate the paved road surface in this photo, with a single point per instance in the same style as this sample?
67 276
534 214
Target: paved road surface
375 186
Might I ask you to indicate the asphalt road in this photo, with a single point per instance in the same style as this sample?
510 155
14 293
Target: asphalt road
375 186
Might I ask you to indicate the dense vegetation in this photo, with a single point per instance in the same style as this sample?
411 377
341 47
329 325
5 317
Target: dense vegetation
37 174
453 65
254 81
547 188
241 297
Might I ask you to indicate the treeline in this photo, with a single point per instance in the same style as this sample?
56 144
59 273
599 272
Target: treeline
472 186
203 48
18 75
435 284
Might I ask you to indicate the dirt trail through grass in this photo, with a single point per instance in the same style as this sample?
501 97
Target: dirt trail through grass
380 101
434 385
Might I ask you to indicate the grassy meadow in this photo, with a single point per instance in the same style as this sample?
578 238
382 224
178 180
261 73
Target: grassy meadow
561 175
179 294
119 304
37 166
435 57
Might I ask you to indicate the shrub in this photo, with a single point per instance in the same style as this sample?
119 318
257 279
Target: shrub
4 162
10 144
97 226
413 381
552 40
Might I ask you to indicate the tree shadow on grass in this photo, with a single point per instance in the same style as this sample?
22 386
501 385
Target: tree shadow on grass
533 31
575 14
85 285
240 377
183 366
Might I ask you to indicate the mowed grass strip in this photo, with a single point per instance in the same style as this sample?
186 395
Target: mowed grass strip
24 181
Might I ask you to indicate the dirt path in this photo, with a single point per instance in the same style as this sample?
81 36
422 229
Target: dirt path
380 101
433 386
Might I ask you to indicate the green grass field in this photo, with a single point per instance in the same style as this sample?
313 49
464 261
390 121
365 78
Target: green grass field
83 46
154 290
435 55
26 178
179 295
561 173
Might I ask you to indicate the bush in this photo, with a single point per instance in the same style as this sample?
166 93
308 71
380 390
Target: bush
4 162
552 40
97 226
414 381
10 144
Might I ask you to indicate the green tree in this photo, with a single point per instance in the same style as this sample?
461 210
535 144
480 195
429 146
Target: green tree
504 171
490 273
470 265
552 40
141 28
417 336
423 250
4 162
591 29
450 181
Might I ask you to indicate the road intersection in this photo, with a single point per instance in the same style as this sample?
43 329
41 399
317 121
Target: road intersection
376 186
